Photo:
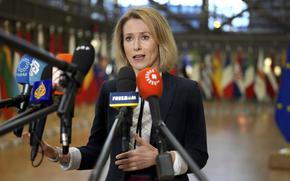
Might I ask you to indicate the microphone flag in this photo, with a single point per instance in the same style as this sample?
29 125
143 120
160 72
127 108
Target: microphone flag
23 68
124 99
282 111
41 92
36 69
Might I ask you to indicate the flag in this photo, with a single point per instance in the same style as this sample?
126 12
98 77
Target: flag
60 40
239 87
186 60
52 41
71 41
249 78
270 79
206 75
40 36
217 73
104 48
17 55
8 84
282 111
28 35
260 85
227 77
195 72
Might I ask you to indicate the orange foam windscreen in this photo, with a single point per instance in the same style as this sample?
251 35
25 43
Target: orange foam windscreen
66 57
149 83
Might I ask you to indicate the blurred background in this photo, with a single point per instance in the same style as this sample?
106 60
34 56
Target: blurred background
238 51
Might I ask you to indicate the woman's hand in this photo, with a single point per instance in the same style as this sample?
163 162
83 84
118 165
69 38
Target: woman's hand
142 157
48 150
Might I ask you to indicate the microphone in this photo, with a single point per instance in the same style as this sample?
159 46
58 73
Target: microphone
22 77
58 76
125 99
41 94
40 77
29 70
150 86
59 81
83 58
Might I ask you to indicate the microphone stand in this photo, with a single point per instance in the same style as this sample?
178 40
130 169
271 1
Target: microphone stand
96 173
174 142
21 121
66 109
25 46
160 127
13 102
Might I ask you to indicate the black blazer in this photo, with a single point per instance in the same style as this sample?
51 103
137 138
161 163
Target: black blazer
181 110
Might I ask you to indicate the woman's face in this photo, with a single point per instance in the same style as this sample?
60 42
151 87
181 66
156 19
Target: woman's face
140 48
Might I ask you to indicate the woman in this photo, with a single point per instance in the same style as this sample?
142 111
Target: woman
142 38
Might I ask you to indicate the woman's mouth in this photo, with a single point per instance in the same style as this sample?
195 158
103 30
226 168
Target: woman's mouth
138 57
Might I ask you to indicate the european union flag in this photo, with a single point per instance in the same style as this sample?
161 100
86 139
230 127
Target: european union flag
282 113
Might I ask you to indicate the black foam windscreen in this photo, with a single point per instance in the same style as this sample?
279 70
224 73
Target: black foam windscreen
83 57
47 73
126 80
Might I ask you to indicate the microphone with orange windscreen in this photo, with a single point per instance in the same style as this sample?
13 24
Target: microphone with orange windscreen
58 75
150 86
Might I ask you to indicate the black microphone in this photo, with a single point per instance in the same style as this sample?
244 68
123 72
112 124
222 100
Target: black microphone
41 96
83 58
126 82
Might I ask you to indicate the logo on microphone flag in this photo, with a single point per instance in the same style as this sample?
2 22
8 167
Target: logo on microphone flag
41 92
23 69
152 77
282 112
36 70
124 99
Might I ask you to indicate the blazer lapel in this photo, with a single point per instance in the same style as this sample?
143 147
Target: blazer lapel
169 92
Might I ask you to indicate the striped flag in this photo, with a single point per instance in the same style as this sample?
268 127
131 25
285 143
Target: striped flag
195 72
270 79
217 73
249 78
28 34
227 77
206 75
239 87
59 43
260 84
40 36
17 55
71 41
8 84
52 41
104 46
186 59
282 112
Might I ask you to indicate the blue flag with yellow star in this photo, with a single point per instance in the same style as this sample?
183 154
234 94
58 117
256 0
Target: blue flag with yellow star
282 113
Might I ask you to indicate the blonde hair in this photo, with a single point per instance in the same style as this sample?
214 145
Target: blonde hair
161 33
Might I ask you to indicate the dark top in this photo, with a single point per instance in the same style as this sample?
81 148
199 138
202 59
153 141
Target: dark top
181 110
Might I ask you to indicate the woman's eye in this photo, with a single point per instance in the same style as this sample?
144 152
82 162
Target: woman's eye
128 38
145 37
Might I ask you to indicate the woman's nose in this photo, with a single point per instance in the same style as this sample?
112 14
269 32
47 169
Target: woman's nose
137 45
